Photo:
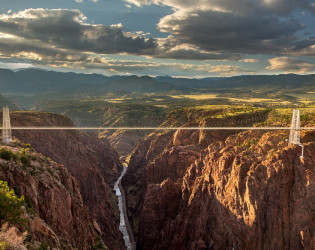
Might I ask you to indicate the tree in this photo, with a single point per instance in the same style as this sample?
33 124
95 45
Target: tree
10 205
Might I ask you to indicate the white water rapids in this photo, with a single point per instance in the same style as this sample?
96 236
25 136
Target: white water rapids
122 225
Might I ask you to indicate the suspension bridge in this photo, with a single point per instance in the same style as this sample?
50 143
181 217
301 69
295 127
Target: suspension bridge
294 137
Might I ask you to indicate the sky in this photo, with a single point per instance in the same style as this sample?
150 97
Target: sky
179 38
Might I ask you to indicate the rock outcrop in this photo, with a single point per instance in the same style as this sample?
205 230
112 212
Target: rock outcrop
132 115
122 141
212 190
54 212
90 160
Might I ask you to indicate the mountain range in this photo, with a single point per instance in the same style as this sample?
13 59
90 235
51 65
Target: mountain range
36 81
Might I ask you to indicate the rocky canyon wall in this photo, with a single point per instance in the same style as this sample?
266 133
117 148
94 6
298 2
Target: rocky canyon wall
90 160
54 211
213 190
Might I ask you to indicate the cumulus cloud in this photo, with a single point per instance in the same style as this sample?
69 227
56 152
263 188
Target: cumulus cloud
171 47
281 7
68 29
36 54
63 29
228 32
290 65
60 58
229 26
240 6
199 30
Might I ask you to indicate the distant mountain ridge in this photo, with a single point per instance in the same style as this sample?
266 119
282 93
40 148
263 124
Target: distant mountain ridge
245 81
36 81
143 84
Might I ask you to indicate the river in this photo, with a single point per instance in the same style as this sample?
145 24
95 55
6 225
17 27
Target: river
123 226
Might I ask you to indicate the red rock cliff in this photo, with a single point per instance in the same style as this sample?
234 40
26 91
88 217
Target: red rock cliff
90 160
55 213
243 190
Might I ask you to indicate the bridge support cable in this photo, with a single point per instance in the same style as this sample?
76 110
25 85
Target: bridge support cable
295 131
6 127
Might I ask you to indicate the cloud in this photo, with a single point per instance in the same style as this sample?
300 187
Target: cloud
60 58
140 3
14 66
249 60
117 26
290 65
68 29
218 5
201 30
229 70
62 29
171 47
229 26
228 32
284 7
280 7
223 70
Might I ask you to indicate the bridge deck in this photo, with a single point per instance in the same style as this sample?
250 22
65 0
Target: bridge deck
157 128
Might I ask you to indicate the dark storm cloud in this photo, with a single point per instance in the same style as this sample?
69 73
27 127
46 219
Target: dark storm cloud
230 26
285 7
68 29
37 54
280 7
228 32
171 47
46 32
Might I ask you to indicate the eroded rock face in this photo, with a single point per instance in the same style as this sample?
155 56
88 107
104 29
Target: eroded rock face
90 160
122 141
57 215
234 197
243 190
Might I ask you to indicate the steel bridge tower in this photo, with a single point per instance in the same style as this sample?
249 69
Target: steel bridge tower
295 131
6 127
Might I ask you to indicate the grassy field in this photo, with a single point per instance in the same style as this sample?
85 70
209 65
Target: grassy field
122 107
195 96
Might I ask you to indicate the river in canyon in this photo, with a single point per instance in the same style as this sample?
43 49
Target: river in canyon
124 225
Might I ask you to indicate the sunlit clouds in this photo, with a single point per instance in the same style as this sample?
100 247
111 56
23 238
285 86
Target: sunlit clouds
290 65
215 37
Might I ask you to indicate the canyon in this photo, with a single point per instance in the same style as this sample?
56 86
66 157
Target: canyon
214 190
90 160
183 189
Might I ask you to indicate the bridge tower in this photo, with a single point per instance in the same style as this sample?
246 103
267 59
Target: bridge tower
295 131
6 127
